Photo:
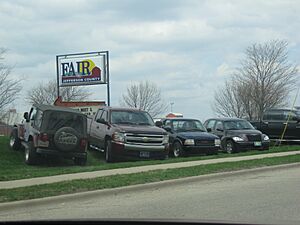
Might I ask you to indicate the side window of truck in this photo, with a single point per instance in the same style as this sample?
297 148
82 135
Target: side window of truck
38 119
210 124
104 115
99 114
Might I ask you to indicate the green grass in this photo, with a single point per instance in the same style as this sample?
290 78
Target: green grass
12 164
114 181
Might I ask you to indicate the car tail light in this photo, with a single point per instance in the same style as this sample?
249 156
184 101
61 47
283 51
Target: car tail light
43 137
83 143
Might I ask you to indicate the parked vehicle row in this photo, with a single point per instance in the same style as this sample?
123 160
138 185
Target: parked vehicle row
125 133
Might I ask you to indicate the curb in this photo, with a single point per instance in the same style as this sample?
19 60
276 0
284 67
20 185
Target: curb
130 170
139 187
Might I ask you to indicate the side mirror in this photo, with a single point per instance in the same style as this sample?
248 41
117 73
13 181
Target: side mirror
208 129
158 123
26 116
168 129
101 120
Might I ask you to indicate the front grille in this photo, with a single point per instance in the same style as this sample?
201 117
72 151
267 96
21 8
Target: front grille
256 137
205 142
144 139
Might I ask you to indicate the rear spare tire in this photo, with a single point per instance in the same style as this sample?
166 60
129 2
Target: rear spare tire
66 139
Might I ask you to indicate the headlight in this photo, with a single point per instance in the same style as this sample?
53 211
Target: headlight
238 139
266 138
166 139
119 137
217 142
189 142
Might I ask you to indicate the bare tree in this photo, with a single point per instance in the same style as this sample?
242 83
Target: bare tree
47 93
145 96
263 80
9 87
227 100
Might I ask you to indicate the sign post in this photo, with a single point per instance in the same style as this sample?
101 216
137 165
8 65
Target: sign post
83 69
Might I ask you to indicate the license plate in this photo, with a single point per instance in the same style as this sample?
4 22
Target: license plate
257 143
144 154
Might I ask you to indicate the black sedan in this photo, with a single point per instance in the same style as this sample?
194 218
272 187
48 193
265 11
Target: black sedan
237 134
189 136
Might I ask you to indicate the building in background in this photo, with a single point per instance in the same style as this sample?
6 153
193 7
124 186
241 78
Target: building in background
88 108
172 115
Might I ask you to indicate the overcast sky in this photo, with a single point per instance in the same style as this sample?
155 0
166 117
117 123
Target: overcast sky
188 48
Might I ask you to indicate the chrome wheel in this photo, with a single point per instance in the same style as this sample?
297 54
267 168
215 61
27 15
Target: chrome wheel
12 141
177 149
229 147
26 155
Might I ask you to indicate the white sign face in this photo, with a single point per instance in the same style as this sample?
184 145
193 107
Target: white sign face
81 70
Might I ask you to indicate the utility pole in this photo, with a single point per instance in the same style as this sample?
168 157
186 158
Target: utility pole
172 103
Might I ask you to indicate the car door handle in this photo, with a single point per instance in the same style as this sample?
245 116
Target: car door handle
284 123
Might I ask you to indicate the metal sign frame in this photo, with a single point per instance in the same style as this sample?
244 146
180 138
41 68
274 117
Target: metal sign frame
106 65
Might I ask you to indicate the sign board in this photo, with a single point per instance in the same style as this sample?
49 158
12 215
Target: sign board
82 69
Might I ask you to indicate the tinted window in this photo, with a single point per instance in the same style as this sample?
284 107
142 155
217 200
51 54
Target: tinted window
38 119
99 114
104 115
210 124
237 125
59 119
219 126
131 117
188 125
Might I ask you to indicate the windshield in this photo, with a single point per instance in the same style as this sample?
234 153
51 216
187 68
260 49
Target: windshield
131 117
188 125
238 125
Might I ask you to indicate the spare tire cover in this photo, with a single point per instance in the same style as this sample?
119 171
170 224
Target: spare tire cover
66 139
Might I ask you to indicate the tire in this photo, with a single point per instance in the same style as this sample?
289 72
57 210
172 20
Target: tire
30 154
108 152
80 161
14 140
230 147
67 139
177 150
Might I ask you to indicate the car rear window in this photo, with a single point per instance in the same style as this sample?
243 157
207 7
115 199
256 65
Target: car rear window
56 120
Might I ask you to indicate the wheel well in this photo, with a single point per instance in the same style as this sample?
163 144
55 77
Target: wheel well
177 140
106 139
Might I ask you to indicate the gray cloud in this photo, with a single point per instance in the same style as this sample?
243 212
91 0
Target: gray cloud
187 47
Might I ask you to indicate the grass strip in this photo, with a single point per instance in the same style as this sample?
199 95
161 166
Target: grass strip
67 187
12 164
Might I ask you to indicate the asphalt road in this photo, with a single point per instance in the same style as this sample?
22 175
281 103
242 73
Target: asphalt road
262 196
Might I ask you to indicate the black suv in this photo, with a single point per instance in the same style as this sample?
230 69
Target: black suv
189 136
237 134
51 130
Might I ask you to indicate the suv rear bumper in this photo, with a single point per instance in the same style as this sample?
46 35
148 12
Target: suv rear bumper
60 153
